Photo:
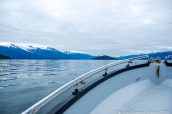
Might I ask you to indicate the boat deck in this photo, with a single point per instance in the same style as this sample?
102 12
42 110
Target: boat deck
139 87
139 90
148 97
157 98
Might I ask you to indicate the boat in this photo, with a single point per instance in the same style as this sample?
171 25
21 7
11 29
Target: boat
136 85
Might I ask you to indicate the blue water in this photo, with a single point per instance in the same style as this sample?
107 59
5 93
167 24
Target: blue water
24 82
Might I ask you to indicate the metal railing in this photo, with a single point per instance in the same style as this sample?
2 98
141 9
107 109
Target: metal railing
79 82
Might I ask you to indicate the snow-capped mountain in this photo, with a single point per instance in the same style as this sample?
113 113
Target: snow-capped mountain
78 55
31 52
15 52
48 53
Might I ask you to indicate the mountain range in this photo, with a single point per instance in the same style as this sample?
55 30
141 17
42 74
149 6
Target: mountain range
161 55
17 52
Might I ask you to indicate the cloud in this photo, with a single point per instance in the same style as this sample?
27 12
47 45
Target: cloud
114 27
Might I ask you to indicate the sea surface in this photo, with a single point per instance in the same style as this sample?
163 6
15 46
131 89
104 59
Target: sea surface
24 82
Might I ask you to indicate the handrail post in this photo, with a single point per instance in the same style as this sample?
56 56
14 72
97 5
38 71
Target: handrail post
105 74
76 89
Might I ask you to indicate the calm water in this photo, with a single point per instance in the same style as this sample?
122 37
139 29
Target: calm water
24 82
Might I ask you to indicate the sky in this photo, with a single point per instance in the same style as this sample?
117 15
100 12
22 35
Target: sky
98 27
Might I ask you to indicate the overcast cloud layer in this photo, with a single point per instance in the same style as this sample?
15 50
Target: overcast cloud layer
113 27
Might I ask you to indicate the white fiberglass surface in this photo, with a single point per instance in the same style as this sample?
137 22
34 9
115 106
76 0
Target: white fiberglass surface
140 97
89 102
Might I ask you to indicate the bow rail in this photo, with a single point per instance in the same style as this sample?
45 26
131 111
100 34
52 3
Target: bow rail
40 105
